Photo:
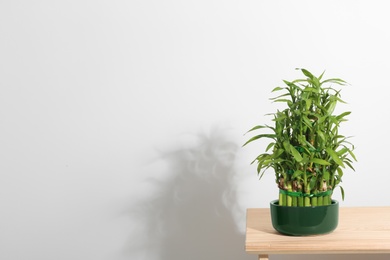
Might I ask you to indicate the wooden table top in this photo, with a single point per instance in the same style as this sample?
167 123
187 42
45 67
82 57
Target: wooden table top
361 230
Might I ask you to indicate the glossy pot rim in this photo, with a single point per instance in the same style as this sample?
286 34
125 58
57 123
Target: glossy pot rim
275 203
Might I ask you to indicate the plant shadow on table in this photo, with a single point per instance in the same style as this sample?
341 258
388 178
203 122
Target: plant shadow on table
191 214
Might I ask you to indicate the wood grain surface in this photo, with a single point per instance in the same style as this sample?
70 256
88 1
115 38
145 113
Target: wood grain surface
361 230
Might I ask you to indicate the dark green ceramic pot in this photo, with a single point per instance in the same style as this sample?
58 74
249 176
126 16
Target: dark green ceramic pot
304 221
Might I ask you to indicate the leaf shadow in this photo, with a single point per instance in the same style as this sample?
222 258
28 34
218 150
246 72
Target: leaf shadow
192 211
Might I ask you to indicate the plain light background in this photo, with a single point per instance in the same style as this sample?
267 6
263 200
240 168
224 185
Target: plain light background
121 122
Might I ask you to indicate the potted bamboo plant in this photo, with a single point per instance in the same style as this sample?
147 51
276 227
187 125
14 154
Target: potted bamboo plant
307 153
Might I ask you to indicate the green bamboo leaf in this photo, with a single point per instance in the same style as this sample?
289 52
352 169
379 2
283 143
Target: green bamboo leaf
307 121
322 119
282 100
313 182
307 73
334 156
331 107
352 154
283 95
272 136
322 74
259 167
257 127
342 192
252 139
340 172
261 158
335 80
326 175
349 165
280 118
261 175
321 135
296 174
340 100
277 89
306 158
339 117
278 153
287 146
320 161
342 151
334 120
315 82
302 139
269 146
296 154
308 103
291 84
310 89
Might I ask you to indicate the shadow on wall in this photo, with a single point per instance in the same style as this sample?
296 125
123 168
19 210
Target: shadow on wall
191 214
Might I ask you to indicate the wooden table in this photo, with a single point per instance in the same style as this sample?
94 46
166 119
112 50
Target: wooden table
361 230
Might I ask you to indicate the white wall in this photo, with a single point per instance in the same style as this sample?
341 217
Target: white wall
122 121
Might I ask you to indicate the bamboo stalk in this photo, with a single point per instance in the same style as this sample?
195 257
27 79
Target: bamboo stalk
301 202
320 201
307 202
294 201
314 201
289 198
280 199
326 200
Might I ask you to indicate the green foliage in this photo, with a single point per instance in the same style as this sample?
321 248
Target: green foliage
306 150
